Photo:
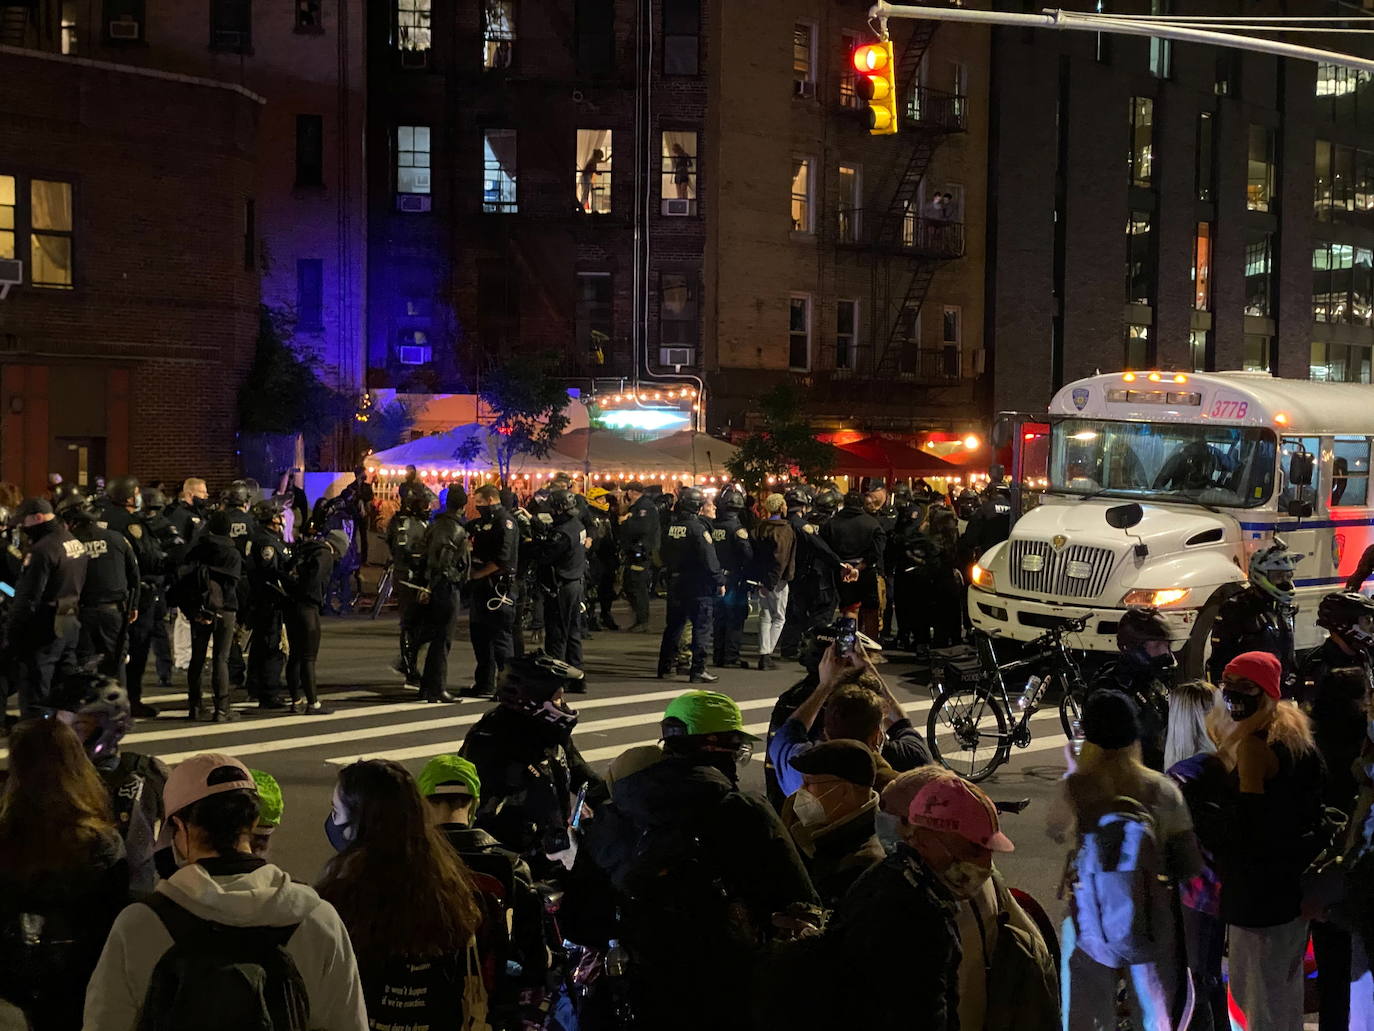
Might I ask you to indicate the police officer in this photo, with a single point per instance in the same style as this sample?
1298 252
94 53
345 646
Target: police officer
495 557
265 612
43 628
149 631
735 552
238 496
1144 672
1259 618
689 556
447 558
603 558
307 585
562 559
639 535
110 593
405 537
1334 684
857 538
812 600
187 514
912 558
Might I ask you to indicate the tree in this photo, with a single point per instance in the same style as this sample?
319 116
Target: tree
283 392
784 443
527 399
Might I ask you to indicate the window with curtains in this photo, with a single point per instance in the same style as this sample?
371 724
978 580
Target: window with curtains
498 33
412 24
801 196
499 172
50 236
593 175
679 157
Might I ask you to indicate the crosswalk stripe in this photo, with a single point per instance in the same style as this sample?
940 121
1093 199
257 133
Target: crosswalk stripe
615 723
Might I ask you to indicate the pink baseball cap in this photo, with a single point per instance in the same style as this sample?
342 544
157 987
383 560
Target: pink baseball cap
189 782
954 805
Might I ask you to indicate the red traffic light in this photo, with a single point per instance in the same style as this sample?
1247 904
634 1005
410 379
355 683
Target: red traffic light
871 58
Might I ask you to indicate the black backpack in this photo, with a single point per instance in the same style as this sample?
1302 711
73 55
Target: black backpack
221 978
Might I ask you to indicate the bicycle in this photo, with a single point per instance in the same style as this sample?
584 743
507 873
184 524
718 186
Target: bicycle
384 588
970 730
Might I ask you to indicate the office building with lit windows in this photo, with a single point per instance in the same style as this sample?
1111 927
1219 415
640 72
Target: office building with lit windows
1175 206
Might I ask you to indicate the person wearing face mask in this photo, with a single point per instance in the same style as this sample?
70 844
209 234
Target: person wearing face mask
43 630
1143 672
1273 824
831 817
1259 618
1108 792
491 604
530 769
277 924
187 515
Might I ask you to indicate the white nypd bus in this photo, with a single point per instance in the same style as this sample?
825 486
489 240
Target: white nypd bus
1161 485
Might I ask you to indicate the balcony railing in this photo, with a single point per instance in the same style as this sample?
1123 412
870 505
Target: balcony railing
936 109
929 364
915 235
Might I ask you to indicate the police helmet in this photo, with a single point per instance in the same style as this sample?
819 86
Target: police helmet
266 512
901 496
818 639
103 707
731 498
70 502
797 495
236 495
967 504
416 502
853 501
562 502
690 500
827 502
1138 626
529 683
154 500
1271 571
122 490
1341 613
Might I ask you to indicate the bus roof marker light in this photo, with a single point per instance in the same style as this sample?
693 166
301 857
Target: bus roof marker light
1281 418
1154 377
1129 377
1180 378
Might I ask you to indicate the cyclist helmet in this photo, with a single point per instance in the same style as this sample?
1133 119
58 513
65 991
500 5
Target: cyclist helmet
1351 616
101 713
1271 571
598 498
1138 627
529 684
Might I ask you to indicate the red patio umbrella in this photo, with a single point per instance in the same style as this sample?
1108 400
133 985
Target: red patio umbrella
874 456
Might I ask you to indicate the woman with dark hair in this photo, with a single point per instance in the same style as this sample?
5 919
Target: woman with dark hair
63 876
417 948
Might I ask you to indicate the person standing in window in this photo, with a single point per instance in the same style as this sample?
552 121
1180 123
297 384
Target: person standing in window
682 172
588 178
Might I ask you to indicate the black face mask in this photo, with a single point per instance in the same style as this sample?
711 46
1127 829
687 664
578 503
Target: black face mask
485 511
39 530
1240 705
726 762
1163 663
335 833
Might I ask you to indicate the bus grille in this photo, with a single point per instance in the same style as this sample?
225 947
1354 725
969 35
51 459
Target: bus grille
1077 571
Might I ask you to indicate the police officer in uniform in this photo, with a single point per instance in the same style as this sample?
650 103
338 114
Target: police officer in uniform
187 514
447 557
639 534
562 560
43 628
242 529
405 536
696 581
265 612
812 600
1259 618
110 593
735 552
495 551
149 631
603 558
857 538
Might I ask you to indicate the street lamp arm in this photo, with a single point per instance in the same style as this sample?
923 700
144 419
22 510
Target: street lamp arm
1075 21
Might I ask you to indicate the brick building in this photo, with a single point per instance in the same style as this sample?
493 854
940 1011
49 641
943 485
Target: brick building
125 193
1176 206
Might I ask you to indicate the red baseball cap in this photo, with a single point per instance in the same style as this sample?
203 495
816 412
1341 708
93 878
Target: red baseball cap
1260 668
953 804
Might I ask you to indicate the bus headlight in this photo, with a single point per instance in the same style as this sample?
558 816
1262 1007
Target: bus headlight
982 578
1164 598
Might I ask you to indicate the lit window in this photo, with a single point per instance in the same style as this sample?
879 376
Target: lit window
51 238
412 24
498 33
1342 284
1202 267
1258 348
850 211
1350 461
846 334
677 311
70 40
7 205
1140 259
849 96
412 159
499 171
1259 253
679 184
1142 141
1199 341
801 195
593 172
1259 183
799 333
414 348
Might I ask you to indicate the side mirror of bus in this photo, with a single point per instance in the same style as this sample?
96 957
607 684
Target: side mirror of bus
1300 469
1123 517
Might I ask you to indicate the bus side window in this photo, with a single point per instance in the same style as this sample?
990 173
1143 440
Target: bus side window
1350 471
1288 447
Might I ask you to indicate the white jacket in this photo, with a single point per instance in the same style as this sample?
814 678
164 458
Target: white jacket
263 897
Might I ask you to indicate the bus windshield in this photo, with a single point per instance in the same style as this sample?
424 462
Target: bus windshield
1232 466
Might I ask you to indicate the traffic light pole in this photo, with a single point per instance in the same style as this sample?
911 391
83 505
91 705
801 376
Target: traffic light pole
1078 22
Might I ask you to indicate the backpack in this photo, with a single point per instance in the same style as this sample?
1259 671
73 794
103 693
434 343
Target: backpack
215 977
1123 909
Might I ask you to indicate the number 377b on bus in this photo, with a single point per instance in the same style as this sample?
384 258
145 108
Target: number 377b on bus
1230 409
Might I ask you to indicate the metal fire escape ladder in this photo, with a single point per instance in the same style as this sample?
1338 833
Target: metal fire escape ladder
14 24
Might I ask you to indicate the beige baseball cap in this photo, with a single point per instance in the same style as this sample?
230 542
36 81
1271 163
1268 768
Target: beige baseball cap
189 782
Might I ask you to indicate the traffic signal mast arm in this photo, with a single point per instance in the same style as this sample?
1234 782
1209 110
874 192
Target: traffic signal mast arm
1075 21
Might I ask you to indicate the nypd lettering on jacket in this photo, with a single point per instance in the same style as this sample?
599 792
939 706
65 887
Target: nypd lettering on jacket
72 549
93 549
677 532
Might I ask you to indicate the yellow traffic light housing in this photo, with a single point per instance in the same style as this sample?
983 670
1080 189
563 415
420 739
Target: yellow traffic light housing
877 85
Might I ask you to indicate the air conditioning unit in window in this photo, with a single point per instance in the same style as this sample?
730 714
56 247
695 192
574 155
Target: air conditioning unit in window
678 206
803 88
678 356
412 203
412 354
125 28
414 58
11 274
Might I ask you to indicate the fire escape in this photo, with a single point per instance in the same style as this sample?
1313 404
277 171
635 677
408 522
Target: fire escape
903 244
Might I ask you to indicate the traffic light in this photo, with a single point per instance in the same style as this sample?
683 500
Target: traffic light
877 85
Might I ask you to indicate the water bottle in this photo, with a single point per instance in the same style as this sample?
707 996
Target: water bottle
1076 735
617 959
1029 694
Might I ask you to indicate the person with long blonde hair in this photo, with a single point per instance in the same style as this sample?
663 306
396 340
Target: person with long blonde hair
63 874
1273 808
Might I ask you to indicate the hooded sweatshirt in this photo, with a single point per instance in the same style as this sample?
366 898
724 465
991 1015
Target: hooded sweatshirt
240 891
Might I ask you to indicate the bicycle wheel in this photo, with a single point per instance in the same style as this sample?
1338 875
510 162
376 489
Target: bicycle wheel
1071 710
383 593
967 733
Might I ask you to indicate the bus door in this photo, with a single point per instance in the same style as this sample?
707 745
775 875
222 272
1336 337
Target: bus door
1303 520
1351 507
1022 443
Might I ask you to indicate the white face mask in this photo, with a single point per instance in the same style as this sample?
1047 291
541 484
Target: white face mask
807 808
962 878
